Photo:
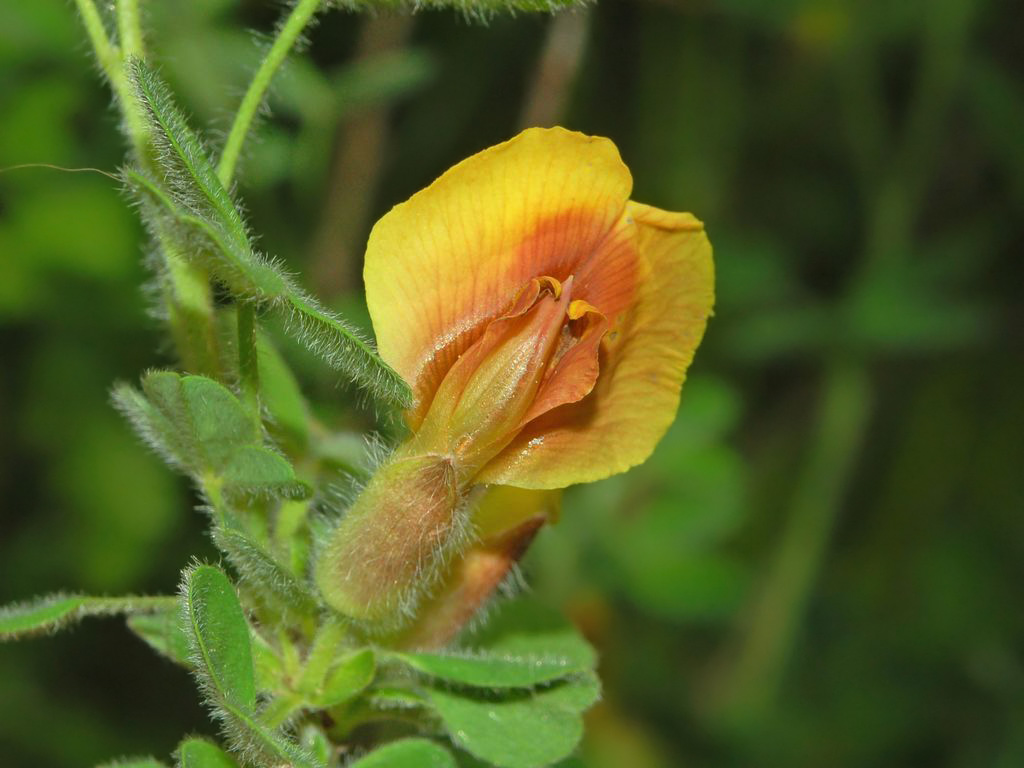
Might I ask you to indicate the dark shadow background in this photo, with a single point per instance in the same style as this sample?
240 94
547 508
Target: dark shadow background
822 565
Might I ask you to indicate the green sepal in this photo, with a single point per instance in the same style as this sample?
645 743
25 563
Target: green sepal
55 612
200 753
407 753
521 728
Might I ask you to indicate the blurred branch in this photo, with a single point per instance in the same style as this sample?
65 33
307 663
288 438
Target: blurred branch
863 110
129 29
750 686
111 60
284 41
946 32
355 171
842 416
556 70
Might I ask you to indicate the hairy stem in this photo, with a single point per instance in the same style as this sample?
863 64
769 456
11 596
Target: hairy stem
111 59
286 38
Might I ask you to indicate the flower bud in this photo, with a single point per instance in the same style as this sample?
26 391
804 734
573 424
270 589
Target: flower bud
392 540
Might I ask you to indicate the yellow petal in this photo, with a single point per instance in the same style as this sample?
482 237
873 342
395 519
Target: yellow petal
643 363
442 265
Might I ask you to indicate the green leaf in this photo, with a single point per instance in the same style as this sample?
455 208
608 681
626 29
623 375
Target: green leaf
203 240
257 568
201 427
527 630
315 741
267 664
342 347
256 471
219 637
281 395
49 614
151 424
325 334
162 631
191 197
200 421
408 753
221 647
350 677
521 729
182 157
220 423
134 762
486 671
200 753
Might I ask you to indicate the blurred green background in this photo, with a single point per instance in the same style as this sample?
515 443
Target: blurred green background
823 563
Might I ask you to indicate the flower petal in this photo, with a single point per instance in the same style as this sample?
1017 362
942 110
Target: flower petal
454 256
643 363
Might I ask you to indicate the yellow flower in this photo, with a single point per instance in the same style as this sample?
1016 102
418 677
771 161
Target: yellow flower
545 323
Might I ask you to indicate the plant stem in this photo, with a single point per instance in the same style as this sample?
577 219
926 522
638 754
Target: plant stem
286 38
129 29
842 417
111 59
187 293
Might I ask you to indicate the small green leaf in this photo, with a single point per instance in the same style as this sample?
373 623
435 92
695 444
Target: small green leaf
315 741
256 471
49 614
221 424
257 568
201 421
266 663
182 157
200 753
520 729
219 637
281 395
134 762
350 677
162 631
191 197
489 671
408 753
523 629
151 425
343 348
221 646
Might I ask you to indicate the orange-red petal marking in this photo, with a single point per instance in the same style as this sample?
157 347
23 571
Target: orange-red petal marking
643 364
454 256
